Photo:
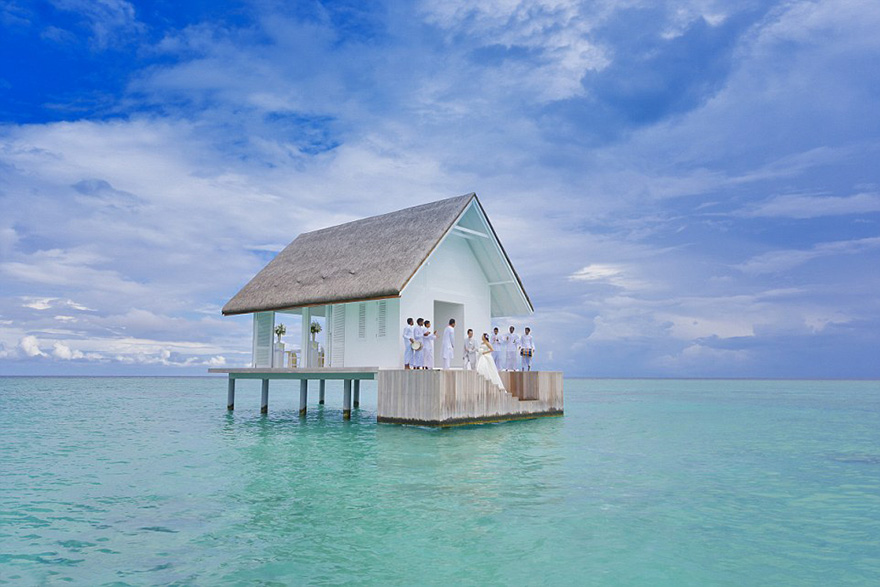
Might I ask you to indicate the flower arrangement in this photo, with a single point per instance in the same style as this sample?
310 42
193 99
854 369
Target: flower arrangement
315 327
280 331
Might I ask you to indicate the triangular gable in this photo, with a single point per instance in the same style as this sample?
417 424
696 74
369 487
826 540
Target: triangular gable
508 296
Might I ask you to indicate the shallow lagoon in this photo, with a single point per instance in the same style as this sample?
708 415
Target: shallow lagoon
643 482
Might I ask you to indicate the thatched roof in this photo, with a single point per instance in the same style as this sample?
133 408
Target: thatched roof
365 259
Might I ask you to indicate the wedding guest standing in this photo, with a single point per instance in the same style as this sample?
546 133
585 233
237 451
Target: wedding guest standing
449 344
527 349
407 343
429 345
511 350
470 350
496 341
419 337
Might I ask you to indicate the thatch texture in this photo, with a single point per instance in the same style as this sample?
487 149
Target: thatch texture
365 259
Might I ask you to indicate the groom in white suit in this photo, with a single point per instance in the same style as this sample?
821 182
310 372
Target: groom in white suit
449 344
470 350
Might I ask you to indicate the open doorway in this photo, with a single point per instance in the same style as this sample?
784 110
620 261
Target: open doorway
443 311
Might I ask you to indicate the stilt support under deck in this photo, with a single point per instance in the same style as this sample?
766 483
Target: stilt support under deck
230 395
303 396
322 385
357 393
346 400
264 403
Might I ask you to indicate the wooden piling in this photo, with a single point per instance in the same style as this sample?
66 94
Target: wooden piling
230 395
303 396
346 400
357 393
264 403
322 385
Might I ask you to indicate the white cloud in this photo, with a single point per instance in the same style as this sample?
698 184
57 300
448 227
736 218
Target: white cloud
63 352
607 273
37 303
555 31
31 346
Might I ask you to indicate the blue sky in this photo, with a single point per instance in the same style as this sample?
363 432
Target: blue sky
689 189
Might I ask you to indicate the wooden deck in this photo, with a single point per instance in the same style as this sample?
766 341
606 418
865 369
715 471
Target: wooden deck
424 397
455 398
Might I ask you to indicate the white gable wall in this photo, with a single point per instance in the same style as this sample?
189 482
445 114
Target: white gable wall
452 274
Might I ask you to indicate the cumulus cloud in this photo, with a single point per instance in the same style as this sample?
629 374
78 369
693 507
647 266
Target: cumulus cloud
63 352
31 346
216 361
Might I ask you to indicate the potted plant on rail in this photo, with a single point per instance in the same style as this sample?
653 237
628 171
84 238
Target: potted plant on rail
278 359
314 328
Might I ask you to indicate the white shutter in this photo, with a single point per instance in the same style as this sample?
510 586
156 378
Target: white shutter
264 324
382 318
337 345
362 320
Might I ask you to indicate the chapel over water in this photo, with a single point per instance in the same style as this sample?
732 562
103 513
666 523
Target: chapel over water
358 282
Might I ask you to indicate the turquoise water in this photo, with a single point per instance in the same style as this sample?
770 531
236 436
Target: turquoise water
144 481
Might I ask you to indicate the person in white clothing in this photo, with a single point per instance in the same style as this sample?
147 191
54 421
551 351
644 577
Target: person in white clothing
511 350
485 365
449 344
495 342
527 349
407 343
419 337
470 350
429 345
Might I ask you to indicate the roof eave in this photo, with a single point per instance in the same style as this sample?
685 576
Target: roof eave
522 289
311 304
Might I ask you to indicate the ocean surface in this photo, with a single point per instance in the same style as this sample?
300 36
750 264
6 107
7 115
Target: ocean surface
149 481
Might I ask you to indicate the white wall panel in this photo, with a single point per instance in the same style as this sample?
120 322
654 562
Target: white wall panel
452 274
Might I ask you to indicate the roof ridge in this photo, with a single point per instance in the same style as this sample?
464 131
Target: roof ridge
469 196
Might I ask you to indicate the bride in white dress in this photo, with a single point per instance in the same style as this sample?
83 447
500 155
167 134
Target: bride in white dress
485 365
